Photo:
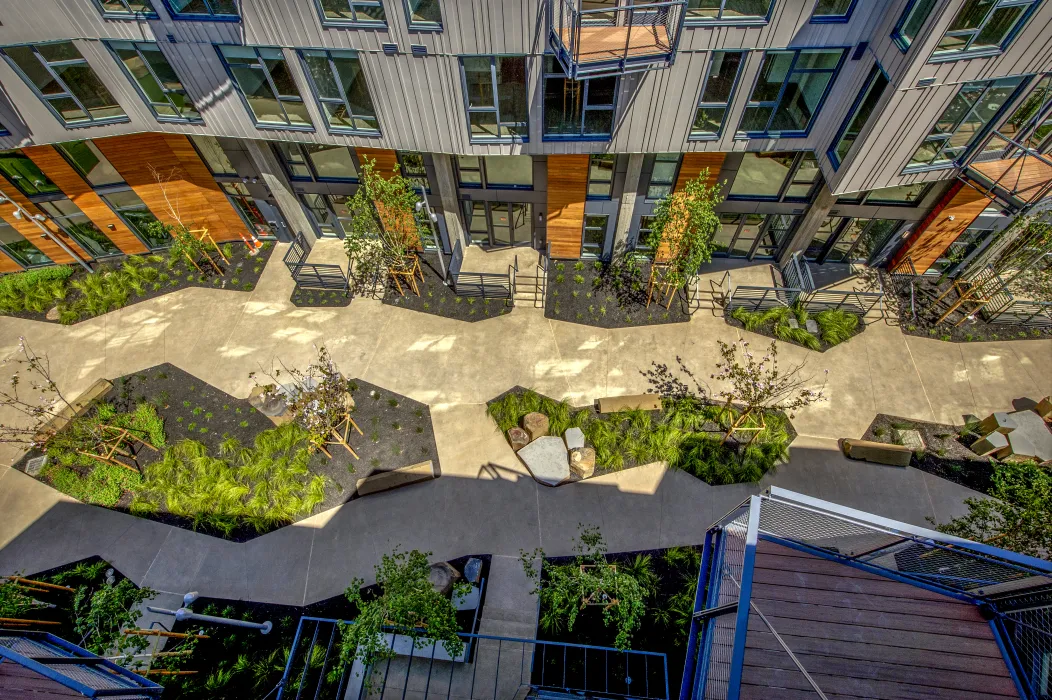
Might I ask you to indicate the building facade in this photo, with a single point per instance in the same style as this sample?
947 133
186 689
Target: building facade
842 129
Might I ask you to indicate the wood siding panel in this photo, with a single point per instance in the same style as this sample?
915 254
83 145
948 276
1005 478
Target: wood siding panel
933 235
31 232
232 225
694 163
7 264
567 191
386 159
51 162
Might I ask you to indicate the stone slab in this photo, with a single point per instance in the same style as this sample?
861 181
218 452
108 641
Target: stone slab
811 326
467 601
1031 437
378 482
992 444
574 438
547 460
1000 422
909 438
645 402
877 452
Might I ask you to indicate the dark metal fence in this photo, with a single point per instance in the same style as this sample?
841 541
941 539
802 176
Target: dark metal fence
761 298
312 275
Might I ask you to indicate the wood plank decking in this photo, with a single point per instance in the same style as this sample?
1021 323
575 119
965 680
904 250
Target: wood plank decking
860 635
610 43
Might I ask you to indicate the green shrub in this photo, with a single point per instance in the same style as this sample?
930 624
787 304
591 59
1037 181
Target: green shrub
797 335
34 290
836 325
103 486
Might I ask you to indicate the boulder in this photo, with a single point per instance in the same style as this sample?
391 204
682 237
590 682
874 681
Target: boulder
1044 408
582 462
272 404
793 323
547 460
1000 422
878 452
991 446
811 326
574 438
518 438
536 424
52 314
909 438
473 570
442 577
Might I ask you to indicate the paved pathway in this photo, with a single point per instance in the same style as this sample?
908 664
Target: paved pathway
484 502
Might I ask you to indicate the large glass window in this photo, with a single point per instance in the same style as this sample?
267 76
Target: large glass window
827 231
157 81
138 217
245 204
785 175
911 21
203 9
340 88
19 169
901 196
577 109
663 175
728 10
90 163
1031 122
318 161
594 238
601 175
496 172
495 87
864 105
850 240
413 168
750 235
789 91
964 120
66 83
264 79
24 253
983 26
716 94
127 8
499 223
970 240
424 14
214 156
832 10
73 221
322 213
366 12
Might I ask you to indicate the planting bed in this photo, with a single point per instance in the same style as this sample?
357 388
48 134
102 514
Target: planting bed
113 285
834 327
607 296
439 299
319 298
397 432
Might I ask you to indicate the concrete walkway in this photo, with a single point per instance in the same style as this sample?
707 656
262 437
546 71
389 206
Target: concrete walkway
484 503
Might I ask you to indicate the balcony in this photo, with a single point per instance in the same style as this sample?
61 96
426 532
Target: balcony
1014 174
606 39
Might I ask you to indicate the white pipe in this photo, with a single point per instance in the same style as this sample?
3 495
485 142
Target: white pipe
21 212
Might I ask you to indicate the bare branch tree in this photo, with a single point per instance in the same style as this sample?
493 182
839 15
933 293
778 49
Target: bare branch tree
32 392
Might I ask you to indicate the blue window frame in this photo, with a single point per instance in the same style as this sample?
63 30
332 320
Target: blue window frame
983 27
789 91
829 11
216 10
716 94
859 114
728 11
910 22
318 162
577 110
601 175
495 91
423 14
266 85
126 9
339 86
362 13
964 122
156 80
66 83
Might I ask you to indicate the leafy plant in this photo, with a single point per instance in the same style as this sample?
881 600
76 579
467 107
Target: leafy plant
101 614
836 325
683 227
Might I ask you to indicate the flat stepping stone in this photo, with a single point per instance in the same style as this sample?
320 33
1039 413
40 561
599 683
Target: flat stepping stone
574 438
547 460
811 326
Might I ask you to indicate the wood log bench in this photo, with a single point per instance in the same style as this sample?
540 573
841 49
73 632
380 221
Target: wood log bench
77 407
378 482
877 452
612 404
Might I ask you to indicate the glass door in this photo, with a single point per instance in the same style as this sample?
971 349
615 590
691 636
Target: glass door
499 224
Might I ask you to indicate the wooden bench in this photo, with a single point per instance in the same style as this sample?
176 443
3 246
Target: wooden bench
378 482
61 419
612 404
877 452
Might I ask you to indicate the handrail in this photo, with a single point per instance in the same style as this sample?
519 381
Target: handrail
1013 151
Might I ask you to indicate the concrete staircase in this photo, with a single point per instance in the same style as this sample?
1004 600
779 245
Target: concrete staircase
529 288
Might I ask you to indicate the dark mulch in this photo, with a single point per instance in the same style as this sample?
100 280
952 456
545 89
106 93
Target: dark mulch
946 452
439 299
925 292
397 431
319 297
241 275
767 329
604 295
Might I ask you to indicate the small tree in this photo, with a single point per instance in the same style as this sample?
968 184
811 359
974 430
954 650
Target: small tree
101 614
407 602
567 589
684 225
760 385
40 404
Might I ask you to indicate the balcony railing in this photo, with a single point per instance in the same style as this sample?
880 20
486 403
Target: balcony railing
1015 174
612 40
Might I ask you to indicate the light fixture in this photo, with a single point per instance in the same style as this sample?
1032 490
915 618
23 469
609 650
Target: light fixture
39 217
18 214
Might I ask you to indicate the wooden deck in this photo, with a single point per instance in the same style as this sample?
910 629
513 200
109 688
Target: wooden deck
608 42
1026 178
860 635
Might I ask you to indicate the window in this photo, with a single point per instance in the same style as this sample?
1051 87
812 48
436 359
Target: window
157 81
901 196
789 91
663 175
66 83
983 26
318 161
1031 122
856 119
911 21
601 175
73 221
321 211
785 176
751 235
423 14
24 173
577 109
594 237
964 121
366 12
832 11
134 212
961 249
496 172
213 155
646 228
123 9
243 201
88 160
495 88
225 10
728 10
841 240
413 168
340 88
22 251
716 94
499 223
264 79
